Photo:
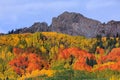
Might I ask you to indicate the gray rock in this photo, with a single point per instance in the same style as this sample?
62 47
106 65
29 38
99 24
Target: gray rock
36 27
75 24
1 34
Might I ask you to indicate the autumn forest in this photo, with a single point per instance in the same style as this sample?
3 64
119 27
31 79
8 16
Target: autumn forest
57 56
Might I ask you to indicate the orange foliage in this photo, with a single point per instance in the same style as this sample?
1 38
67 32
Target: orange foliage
76 52
100 51
27 62
81 57
80 64
113 56
110 61
115 66
17 51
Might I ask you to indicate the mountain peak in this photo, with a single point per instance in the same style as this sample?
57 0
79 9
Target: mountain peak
71 13
75 24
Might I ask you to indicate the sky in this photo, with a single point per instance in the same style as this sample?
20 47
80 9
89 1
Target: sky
16 14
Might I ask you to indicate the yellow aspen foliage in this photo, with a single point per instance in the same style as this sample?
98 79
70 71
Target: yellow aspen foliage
111 38
53 51
62 46
29 41
3 55
117 45
15 41
2 76
96 67
43 50
21 46
9 54
41 42
52 34
117 39
104 39
113 77
36 73
67 66
10 74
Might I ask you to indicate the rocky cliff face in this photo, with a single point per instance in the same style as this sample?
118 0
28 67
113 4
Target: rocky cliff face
75 24
1 34
36 27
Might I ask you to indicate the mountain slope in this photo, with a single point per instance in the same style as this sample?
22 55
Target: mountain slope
75 24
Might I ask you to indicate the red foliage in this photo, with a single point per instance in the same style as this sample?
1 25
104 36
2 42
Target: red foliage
27 62
81 57
113 56
76 52
80 64
115 66
17 51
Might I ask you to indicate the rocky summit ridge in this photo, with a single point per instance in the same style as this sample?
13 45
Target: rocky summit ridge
74 24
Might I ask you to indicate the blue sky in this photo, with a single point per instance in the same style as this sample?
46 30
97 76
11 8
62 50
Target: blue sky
23 13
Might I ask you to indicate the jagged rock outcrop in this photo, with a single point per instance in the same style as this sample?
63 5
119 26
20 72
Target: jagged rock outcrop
1 33
75 24
112 28
36 27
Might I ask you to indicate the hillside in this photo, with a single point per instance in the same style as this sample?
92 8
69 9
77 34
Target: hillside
74 24
57 56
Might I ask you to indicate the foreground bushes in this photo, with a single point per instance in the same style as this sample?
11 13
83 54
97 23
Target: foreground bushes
70 74
55 56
